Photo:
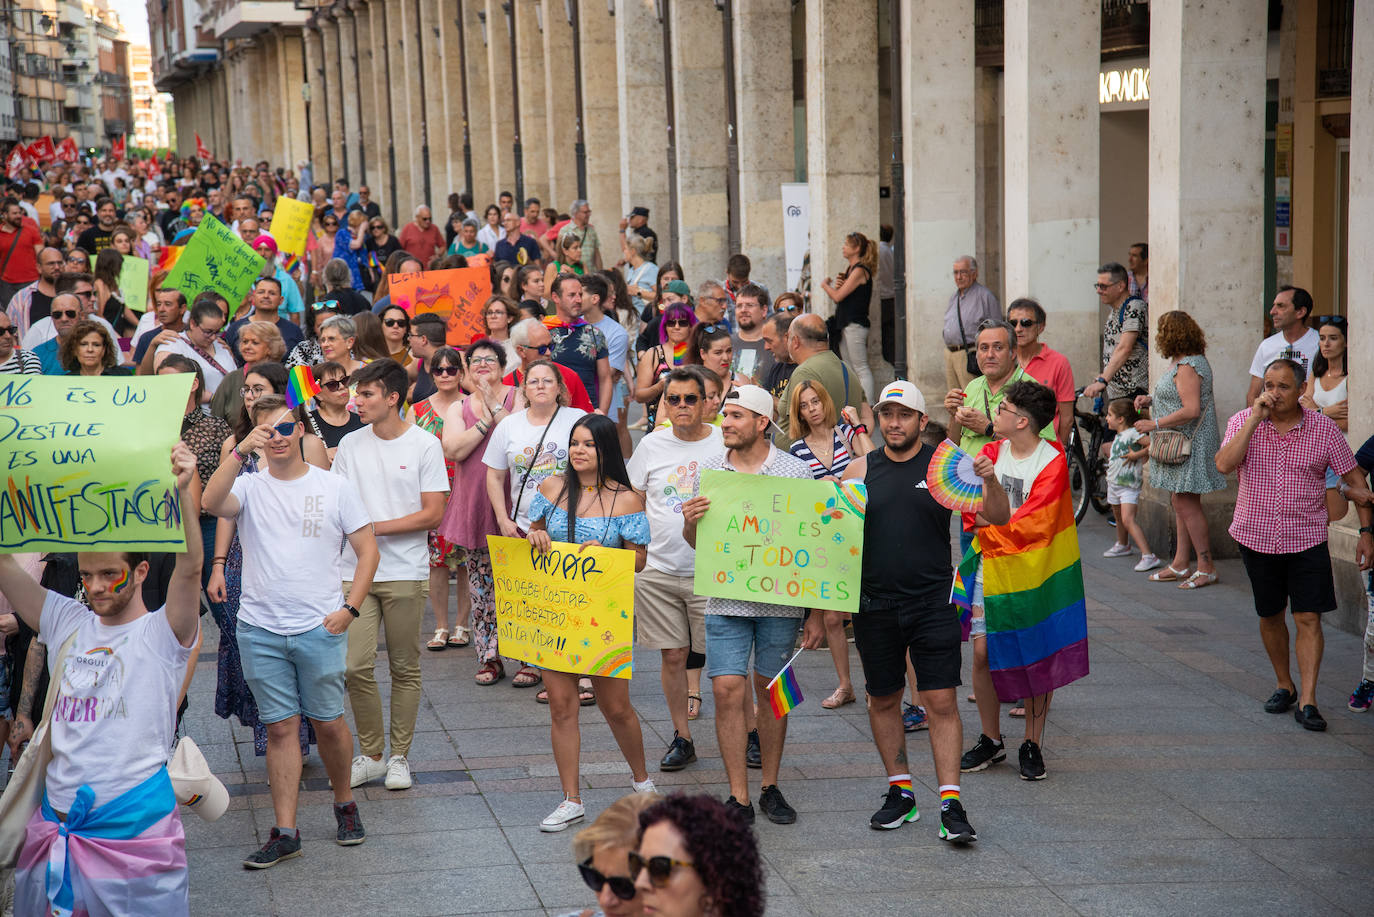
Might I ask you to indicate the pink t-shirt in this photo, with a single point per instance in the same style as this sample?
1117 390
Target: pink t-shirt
422 244
1051 368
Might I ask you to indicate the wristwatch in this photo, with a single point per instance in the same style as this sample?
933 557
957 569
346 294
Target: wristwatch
1367 530
350 609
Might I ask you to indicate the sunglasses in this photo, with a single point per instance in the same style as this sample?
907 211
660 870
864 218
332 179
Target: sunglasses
334 385
1338 320
396 322
541 349
284 429
688 400
660 868
325 304
622 887
678 323
445 371
330 224
377 228
791 307
9 329
61 313
1023 322
712 329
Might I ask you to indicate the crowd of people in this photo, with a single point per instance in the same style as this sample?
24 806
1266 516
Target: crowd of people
315 530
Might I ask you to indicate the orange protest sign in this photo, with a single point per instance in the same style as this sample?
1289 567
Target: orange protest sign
457 295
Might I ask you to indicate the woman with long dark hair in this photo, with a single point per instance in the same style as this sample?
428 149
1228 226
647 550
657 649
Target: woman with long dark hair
656 362
696 858
1327 392
851 291
591 503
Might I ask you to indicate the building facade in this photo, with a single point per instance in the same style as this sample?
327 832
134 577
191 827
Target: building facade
149 105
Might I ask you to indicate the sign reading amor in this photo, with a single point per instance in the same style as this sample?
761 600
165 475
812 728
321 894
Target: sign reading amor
781 540
87 463
570 610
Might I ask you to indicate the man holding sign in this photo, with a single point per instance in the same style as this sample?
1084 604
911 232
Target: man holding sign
108 800
734 627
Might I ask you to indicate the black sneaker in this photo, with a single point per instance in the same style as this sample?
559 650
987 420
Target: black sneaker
753 756
1032 762
775 807
350 824
985 752
680 754
898 809
278 847
1309 718
1280 701
954 826
743 811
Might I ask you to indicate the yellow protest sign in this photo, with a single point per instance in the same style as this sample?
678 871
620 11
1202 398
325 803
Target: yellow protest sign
87 462
133 282
569 610
291 225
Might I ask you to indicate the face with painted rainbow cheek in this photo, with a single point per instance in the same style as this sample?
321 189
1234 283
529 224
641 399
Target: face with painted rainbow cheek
111 581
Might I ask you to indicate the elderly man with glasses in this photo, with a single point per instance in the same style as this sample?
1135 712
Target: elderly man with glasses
1125 356
421 238
534 342
970 306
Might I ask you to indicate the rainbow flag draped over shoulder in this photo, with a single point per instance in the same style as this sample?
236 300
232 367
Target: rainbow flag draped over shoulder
1033 590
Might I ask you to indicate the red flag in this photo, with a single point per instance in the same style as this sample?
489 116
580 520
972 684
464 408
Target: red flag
169 157
154 170
201 151
119 148
42 150
14 163
66 150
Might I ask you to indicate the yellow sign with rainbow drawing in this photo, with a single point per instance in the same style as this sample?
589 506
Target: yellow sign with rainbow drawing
570 610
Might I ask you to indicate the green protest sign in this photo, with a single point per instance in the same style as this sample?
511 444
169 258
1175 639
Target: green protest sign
215 259
87 462
785 541
133 282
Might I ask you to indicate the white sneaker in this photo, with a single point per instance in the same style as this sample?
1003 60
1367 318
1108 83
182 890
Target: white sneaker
366 770
566 813
398 773
646 787
1148 562
1118 550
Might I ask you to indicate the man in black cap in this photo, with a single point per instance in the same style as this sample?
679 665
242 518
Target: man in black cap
638 223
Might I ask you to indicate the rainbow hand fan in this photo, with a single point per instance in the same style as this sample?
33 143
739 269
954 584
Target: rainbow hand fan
952 481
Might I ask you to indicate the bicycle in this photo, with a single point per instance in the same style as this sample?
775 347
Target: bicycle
1087 468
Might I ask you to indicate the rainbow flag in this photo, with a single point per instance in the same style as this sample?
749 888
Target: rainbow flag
300 386
1033 590
783 691
291 262
961 592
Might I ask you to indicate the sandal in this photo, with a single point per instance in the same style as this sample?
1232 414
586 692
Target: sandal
1169 574
439 641
838 698
1017 711
543 696
693 706
1198 580
585 696
460 637
526 678
490 673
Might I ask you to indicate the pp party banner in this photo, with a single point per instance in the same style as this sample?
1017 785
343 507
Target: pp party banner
291 225
457 295
133 282
570 610
786 541
87 462
215 258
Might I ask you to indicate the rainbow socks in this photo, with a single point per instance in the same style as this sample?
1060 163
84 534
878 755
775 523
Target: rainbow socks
903 783
948 793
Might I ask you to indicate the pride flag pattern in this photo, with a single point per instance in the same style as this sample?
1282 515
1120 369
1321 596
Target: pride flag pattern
1033 590
300 386
783 691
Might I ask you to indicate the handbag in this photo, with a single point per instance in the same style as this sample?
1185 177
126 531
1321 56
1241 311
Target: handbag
1170 447
970 356
24 792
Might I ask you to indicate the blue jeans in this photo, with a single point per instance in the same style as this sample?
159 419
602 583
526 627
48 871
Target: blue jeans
729 640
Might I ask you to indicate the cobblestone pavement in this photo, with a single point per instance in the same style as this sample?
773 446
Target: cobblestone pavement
1170 790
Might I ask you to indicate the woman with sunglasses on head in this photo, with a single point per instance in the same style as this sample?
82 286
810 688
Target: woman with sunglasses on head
259 342
590 503
1327 393
396 331
602 850
656 362
695 858
225 585
307 352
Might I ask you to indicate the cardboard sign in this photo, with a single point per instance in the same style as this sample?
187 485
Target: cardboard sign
133 282
570 610
457 295
216 259
87 463
291 225
785 541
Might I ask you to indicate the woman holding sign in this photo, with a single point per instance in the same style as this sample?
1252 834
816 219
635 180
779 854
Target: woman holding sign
591 503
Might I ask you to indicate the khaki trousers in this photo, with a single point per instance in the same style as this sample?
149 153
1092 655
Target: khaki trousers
399 608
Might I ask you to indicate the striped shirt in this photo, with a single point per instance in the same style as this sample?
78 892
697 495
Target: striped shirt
841 436
23 362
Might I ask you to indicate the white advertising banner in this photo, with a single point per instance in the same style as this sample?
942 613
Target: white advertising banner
796 229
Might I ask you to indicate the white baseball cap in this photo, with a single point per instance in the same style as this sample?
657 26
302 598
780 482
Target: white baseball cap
194 784
752 398
904 393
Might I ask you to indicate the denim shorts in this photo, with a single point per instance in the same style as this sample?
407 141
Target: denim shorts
729 640
297 674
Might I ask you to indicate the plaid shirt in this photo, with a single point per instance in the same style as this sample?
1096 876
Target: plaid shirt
1281 506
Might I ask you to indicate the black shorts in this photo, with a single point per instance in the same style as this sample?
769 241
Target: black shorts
1301 580
928 632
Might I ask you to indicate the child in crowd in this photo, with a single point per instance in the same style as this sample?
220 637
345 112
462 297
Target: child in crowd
1125 475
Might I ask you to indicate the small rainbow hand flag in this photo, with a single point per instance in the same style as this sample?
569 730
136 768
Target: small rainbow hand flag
783 691
961 593
300 386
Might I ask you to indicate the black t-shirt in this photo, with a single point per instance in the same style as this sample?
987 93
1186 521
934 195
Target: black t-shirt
906 534
1365 457
351 302
93 240
40 307
333 435
777 377
370 208
424 385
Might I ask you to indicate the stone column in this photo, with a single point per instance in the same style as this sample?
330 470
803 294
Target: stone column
334 108
273 144
534 128
642 107
941 197
763 81
314 71
431 177
290 71
399 35
601 108
1051 153
446 100
699 98
560 106
499 96
388 167
842 124
479 110
371 165
348 93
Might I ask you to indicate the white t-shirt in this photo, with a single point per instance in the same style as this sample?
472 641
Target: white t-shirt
114 721
146 322
391 474
512 447
291 533
1018 474
213 377
668 470
43 331
1304 350
617 341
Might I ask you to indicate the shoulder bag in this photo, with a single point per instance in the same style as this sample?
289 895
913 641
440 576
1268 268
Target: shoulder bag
529 469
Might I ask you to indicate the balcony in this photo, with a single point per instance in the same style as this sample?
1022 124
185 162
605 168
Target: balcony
1125 30
249 17
79 96
116 126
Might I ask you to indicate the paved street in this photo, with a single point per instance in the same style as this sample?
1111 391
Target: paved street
1169 791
